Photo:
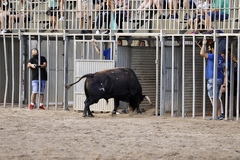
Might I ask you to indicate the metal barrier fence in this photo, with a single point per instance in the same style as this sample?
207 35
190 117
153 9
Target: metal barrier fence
180 82
128 16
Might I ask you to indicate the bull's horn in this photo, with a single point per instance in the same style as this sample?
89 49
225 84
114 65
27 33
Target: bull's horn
148 99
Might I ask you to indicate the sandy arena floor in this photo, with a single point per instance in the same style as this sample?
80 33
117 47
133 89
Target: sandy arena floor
37 134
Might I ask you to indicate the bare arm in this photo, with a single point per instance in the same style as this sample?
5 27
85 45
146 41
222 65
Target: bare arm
203 49
30 65
96 47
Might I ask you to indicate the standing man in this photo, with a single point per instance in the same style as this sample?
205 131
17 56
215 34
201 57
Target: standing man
210 73
35 67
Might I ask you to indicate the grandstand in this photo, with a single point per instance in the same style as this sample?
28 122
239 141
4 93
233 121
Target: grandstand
169 66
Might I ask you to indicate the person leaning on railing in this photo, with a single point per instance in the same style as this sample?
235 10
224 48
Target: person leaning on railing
121 7
5 10
84 9
23 14
53 12
104 8
219 10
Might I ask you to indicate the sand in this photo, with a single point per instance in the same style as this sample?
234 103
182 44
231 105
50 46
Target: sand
49 134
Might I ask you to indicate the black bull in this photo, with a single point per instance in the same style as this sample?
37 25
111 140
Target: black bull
118 83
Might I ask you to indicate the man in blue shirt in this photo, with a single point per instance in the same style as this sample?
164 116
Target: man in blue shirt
210 73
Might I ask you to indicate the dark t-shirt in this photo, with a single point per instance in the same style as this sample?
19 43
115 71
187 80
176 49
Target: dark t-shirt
35 70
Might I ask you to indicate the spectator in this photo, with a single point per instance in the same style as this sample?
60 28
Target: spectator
195 22
231 59
53 11
121 7
209 75
106 52
104 7
5 10
61 8
219 11
141 43
84 9
161 6
23 14
173 7
188 4
35 65
148 4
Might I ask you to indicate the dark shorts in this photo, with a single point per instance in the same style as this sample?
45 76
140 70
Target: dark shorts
192 5
53 11
216 16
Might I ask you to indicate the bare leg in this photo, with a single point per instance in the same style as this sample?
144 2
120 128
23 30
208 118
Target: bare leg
33 97
207 21
81 22
89 22
41 98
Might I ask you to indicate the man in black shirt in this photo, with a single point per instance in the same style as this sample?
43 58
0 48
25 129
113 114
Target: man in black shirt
37 66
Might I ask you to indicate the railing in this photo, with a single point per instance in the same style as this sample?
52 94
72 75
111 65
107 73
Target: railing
132 16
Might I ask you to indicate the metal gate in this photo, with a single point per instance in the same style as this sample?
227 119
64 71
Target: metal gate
89 62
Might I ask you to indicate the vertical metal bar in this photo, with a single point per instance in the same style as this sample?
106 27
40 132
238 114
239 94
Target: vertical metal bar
39 70
238 80
226 85
56 74
74 64
29 77
20 70
65 72
194 78
48 73
183 75
29 81
172 82
6 71
215 99
13 73
231 85
157 74
204 86
163 66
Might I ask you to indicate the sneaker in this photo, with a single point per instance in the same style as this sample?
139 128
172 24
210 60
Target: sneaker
8 31
89 31
162 16
194 32
82 32
106 32
172 16
97 32
31 107
221 117
186 17
61 19
3 31
41 107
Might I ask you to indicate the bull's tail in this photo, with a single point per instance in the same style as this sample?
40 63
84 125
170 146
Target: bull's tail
67 86
148 99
